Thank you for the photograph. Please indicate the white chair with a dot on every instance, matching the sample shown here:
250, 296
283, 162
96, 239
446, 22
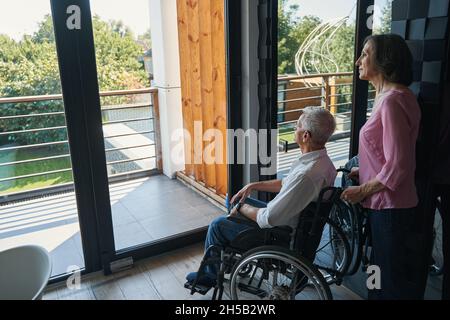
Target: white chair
24, 272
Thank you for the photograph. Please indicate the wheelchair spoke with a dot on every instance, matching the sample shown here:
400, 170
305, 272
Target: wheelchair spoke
333, 253
324, 246
255, 268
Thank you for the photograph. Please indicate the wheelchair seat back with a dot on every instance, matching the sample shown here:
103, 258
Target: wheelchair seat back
312, 221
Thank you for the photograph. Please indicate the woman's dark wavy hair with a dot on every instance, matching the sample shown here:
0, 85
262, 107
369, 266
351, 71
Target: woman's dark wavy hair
392, 58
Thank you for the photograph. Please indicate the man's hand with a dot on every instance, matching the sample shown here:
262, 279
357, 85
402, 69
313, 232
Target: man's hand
353, 195
243, 193
234, 212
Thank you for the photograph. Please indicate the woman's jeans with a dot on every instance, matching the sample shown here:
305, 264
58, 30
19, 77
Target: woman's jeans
222, 231
396, 250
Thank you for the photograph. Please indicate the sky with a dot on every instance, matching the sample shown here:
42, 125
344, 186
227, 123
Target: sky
331, 9
21, 17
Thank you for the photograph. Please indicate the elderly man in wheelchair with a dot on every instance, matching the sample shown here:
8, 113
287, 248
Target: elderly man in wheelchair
268, 249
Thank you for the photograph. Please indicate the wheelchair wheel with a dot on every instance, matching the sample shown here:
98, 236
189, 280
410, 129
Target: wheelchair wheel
347, 217
277, 274
333, 255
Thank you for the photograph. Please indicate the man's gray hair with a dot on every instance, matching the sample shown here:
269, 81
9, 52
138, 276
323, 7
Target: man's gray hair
319, 122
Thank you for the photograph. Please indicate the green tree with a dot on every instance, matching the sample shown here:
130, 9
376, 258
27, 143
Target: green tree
117, 54
342, 47
145, 40
386, 18
291, 34
29, 67
45, 31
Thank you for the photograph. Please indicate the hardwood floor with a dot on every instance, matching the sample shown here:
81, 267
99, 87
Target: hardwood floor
158, 278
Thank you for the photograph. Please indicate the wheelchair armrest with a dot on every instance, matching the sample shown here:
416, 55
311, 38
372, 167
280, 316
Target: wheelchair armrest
239, 218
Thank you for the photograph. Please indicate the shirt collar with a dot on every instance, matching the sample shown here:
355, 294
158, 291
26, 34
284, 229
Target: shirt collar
313, 155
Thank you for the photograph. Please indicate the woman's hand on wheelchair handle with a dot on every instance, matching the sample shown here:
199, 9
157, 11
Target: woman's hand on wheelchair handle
353, 195
354, 174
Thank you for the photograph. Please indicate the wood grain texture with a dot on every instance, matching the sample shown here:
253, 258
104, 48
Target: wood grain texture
207, 92
201, 32
196, 94
219, 89
185, 77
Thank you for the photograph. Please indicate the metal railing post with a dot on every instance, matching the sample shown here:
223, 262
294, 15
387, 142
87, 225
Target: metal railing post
333, 96
326, 92
157, 129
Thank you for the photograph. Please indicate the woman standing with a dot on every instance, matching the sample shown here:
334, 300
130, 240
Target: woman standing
387, 166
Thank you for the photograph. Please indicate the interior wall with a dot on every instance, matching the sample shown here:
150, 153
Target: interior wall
163, 20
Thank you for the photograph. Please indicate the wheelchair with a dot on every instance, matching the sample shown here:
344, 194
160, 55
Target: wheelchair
281, 263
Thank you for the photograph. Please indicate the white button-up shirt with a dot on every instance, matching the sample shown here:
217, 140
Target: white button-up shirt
311, 173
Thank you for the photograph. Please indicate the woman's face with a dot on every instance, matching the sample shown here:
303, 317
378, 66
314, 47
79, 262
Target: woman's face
366, 63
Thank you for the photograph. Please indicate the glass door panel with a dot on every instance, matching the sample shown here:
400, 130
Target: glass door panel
315, 66
37, 197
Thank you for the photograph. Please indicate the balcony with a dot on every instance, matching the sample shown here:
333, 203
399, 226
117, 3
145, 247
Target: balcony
39, 159
37, 199
331, 91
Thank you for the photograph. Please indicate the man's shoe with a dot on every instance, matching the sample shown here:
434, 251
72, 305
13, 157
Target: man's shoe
205, 280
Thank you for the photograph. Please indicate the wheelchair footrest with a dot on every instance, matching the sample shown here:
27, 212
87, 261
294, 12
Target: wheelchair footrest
197, 289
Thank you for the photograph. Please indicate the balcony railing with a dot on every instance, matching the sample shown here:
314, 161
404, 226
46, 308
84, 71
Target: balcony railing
40, 149
332, 91
131, 130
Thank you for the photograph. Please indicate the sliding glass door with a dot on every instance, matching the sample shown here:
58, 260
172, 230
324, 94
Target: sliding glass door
37, 196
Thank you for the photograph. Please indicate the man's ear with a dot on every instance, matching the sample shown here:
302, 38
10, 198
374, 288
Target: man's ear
305, 135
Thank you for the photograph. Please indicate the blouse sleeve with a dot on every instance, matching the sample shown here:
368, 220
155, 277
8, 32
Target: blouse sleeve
397, 144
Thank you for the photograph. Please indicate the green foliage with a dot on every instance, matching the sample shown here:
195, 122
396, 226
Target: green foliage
386, 17
145, 40
45, 32
292, 32
118, 55
342, 47
29, 67
33, 167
